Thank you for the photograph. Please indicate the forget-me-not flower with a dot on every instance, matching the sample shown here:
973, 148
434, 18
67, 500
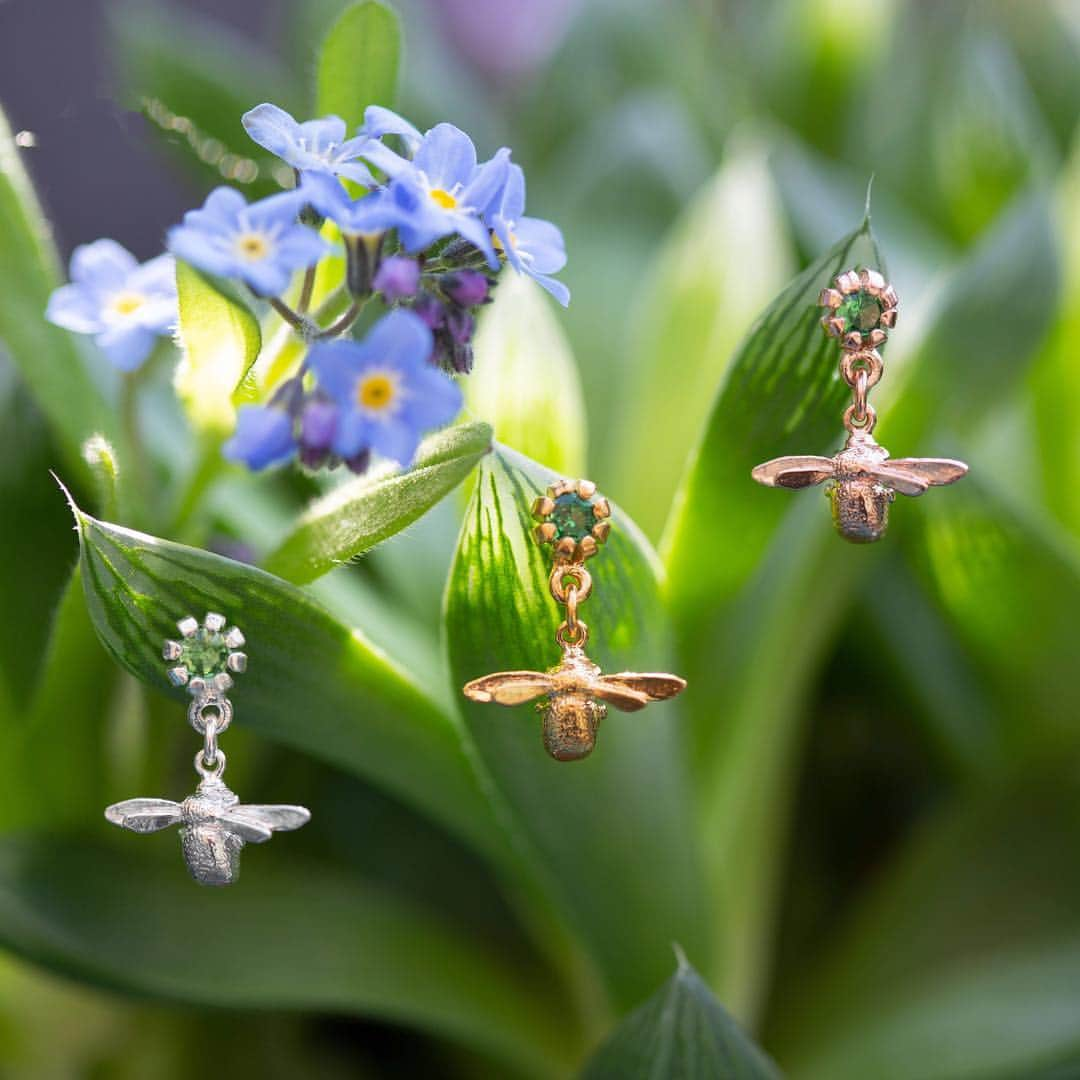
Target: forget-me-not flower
263, 437
262, 244
367, 216
124, 305
379, 121
442, 190
386, 392
532, 246
315, 145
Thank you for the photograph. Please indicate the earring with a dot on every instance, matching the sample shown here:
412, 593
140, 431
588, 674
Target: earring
214, 827
860, 310
573, 520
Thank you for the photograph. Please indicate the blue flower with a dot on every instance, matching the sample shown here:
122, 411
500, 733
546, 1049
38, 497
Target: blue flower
262, 244
379, 122
316, 145
397, 278
531, 246
125, 306
263, 437
387, 393
369, 215
442, 190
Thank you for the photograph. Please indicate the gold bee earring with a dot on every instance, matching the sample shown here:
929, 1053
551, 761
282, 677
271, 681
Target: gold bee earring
860, 311
574, 521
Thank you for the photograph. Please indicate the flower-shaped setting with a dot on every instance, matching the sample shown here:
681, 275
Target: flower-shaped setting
205, 655
573, 519
860, 310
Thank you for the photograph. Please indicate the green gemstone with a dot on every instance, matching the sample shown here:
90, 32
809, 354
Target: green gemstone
204, 653
860, 311
573, 516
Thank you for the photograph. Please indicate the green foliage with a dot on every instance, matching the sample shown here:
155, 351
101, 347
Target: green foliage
358, 65
220, 339
362, 513
860, 818
680, 1033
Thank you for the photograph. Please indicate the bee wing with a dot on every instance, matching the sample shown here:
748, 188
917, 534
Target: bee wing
144, 815
926, 471
255, 824
797, 471
509, 687
638, 687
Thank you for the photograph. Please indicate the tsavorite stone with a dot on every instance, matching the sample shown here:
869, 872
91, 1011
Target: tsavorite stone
204, 653
860, 311
573, 516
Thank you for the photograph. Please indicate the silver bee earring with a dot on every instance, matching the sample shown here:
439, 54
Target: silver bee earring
863, 480
214, 826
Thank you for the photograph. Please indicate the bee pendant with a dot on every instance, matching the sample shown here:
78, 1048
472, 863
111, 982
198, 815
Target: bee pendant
574, 692
214, 826
864, 482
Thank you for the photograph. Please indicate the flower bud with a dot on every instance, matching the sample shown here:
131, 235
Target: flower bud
460, 326
467, 287
397, 278
431, 310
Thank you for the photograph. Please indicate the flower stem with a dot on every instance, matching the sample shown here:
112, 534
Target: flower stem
335, 329
297, 322
306, 289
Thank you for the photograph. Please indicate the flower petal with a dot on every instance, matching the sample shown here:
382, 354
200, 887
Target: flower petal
556, 288
401, 339
434, 399
543, 242
487, 182
102, 266
272, 128
126, 346
379, 121
446, 157
337, 365
263, 437
352, 434
394, 439
75, 308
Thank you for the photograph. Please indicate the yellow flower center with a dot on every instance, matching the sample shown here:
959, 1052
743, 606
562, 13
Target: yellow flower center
443, 198
376, 392
127, 303
252, 246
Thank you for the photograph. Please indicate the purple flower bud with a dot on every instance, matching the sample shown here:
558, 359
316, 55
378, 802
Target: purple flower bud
313, 458
359, 463
467, 287
461, 359
318, 424
460, 326
430, 310
397, 278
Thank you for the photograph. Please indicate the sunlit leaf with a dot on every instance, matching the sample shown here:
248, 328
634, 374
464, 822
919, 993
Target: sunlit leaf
693, 308
287, 936
525, 383
313, 684
363, 512
610, 834
681, 1033
220, 340
358, 65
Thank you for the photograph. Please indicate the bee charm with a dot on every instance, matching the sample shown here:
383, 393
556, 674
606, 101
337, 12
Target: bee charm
214, 826
575, 692
863, 479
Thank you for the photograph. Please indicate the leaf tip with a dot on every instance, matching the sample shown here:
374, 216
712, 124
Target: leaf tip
867, 221
73, 506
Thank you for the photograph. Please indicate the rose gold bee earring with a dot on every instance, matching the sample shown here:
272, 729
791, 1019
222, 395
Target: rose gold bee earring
860, 311
574, 521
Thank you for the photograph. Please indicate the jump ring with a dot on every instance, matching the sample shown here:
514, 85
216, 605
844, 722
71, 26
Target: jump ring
580, 577
219, 708
206, 770
867, 360
864, 423
567, 639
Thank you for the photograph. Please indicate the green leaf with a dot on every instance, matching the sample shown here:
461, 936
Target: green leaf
969, 944
781, 394
314, 684
681, 1033
610, 837
46, 357
692, 311
358, 65
220, 340
525, 382
359, 514
288, 936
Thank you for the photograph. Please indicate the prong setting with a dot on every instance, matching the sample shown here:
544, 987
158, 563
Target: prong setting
860, 309
205, 655
187, 626
572, 518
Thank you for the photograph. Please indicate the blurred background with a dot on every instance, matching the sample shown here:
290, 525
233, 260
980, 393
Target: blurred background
696, 153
